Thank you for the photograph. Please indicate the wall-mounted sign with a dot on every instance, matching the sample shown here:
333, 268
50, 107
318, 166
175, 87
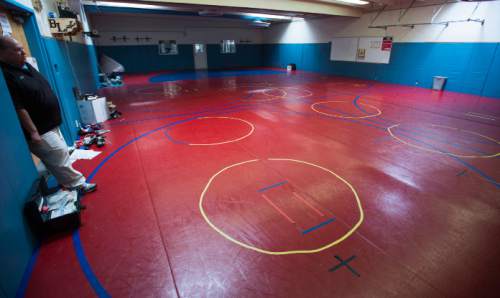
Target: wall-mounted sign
5, 25
64, 26
387, 43
361, 54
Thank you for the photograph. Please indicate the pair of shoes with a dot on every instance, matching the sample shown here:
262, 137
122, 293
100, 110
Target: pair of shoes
87, 187
101, 141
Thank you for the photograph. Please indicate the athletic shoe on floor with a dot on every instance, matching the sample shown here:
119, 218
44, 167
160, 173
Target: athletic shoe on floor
87, 187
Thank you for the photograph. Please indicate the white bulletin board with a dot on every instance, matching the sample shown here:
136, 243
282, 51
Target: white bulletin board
360, 49
344, 49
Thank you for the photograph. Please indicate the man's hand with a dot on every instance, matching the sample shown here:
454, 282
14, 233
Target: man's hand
29, 126
35, 137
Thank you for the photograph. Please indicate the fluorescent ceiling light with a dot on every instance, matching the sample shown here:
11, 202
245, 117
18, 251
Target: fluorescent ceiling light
266, 16
357, 2
125, 5
261, 23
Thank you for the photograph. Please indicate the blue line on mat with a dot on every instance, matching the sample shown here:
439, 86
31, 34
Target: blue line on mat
355, 101
165, 132
345, 263
272, 186
21, 290
99, 290
92, 279
318, 226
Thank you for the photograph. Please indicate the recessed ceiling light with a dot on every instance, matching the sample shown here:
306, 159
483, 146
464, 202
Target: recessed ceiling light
357, 2
266, 16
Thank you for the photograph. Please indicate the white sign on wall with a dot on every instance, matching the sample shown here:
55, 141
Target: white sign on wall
63, 26
5, 24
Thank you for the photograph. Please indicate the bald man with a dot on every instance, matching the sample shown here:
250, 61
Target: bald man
40, 115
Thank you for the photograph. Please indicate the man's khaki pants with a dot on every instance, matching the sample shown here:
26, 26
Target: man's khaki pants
53, 152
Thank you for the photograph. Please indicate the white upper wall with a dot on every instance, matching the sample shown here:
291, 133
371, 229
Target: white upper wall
183, 29
323, 30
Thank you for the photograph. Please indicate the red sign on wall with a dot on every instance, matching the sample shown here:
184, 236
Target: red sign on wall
387, 43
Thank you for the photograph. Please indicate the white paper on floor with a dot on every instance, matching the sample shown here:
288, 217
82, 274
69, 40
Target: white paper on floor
83, 154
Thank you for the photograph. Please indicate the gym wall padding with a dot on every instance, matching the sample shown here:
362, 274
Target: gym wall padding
247, 55
74, 66
472, 68
145, 58
18, 175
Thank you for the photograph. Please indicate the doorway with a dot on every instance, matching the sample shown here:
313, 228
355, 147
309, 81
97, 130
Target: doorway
200, 56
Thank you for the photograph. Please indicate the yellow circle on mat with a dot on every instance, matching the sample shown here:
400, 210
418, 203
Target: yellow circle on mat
379, 112
286, 252
308, 92
283, 94
389, 129
252, 128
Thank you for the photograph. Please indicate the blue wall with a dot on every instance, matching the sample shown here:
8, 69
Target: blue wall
145, 58
141, 59
247, 55
470, 67
72, 65
18, 175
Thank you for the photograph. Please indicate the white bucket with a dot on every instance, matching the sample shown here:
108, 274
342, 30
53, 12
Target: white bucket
438, 83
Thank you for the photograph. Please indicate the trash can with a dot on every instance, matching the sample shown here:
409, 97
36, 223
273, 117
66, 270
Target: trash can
438, 82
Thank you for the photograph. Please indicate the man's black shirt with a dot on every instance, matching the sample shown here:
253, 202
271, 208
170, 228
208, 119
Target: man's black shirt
31, 91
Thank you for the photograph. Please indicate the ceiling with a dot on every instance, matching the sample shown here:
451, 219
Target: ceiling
241, 8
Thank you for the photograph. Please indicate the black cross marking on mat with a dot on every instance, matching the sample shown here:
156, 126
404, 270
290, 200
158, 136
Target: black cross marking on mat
345, 263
